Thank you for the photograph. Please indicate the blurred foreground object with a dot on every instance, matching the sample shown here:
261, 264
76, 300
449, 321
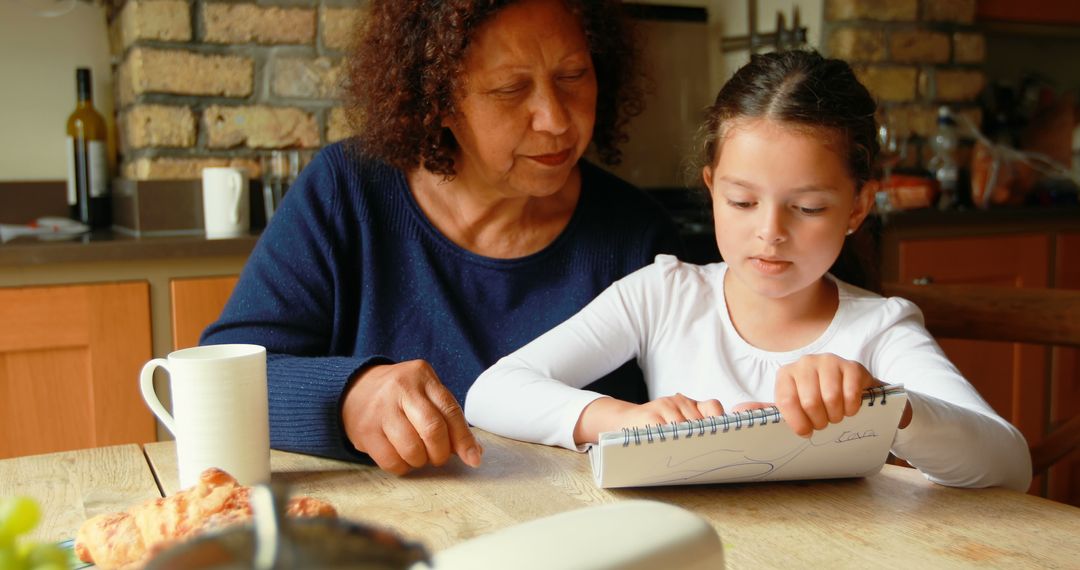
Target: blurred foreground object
18, 516
629, 535
130, 538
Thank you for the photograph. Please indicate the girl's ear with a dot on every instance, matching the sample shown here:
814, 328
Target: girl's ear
864, 202
706, 174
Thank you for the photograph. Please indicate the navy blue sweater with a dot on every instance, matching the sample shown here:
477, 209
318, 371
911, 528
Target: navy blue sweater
350, 272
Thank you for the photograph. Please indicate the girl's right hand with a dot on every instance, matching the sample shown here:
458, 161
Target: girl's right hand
609, 414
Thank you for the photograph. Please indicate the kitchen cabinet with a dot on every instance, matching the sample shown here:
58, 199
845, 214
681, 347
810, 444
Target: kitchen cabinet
1010, 377
197, 302
70, 356
1058, 12
1064, 479
1035, 388
100, 259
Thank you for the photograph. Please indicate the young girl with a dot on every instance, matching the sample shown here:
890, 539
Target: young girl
789, 148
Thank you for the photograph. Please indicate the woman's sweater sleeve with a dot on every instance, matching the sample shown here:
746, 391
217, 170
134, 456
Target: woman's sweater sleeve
534, 394
955, 438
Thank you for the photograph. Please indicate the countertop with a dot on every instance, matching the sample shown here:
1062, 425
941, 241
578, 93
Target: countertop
692, 215
109, 245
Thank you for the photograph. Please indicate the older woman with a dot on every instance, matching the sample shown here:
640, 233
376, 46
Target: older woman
459, 225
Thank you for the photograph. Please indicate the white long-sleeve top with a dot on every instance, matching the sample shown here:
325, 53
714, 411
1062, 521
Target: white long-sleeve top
671, 316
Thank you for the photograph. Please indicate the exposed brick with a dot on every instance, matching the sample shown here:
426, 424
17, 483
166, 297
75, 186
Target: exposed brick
312, 78
951, 84
918, 46
160, 20
167, 168
857, 44
260, 127
337, 125
969, 47
917, 120
962, 11
338, 26
179, 72
889, 83
248, 23
158, 126
116, 40
881, 10
123, 90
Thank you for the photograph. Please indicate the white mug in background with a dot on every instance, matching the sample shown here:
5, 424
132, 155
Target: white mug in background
220, 410
226, 210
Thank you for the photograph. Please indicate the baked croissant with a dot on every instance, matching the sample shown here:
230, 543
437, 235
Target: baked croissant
127, 540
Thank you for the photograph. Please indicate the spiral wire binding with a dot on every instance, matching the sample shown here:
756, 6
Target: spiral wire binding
726, 422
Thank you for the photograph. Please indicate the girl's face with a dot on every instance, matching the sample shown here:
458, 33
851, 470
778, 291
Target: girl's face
783, 202
528, 105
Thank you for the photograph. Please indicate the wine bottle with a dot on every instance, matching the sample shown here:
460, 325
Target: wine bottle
88, 169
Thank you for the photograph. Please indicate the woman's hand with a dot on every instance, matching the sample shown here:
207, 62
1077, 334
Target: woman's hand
403, 417
609, 414
820, 389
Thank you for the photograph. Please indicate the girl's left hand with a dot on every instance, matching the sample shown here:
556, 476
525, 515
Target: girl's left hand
819, 389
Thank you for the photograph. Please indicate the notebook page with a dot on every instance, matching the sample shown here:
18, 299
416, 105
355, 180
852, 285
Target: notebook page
855, 447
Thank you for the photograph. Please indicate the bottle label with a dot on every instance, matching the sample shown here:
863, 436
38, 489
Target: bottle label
72, 173
86, 165
99, 169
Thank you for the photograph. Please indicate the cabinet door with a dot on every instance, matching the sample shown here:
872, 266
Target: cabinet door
1065, 399
1032, 11
1012, 378
196, 303
69, 365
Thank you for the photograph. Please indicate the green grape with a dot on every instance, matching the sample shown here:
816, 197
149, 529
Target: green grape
9, 560
43, 554
18, 515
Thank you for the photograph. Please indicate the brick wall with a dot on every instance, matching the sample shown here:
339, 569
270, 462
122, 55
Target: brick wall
209, 83
913, 55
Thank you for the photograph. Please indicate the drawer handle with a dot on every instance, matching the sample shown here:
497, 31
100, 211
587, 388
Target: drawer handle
924, 280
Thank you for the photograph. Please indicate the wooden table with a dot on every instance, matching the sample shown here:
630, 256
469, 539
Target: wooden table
882, 521
891, 519
73, 486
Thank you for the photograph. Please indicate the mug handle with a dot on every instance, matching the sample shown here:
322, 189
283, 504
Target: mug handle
146, 383
236, 181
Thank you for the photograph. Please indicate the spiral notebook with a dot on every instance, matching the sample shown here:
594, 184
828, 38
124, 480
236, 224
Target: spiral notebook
749, 446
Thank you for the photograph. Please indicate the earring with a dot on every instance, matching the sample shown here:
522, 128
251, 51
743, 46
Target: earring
850, 231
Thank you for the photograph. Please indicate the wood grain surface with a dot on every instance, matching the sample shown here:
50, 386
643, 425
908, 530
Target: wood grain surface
72, 486
893, 518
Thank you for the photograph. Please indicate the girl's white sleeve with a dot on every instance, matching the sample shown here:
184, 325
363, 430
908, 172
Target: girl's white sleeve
955, 438
534, 394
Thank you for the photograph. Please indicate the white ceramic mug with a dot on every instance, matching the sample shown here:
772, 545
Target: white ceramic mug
220, 411
226, 211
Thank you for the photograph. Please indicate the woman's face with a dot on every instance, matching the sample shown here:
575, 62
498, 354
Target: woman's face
783, 202
528, 103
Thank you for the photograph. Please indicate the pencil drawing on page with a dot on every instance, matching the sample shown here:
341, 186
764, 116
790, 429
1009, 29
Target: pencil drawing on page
740, 464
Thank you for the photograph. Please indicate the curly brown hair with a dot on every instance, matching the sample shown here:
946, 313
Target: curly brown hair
408, 56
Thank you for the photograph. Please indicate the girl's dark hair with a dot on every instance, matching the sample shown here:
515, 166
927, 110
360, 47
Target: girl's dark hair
406, 64
805, 90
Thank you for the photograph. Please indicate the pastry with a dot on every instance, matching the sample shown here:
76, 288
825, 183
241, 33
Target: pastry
126, 540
